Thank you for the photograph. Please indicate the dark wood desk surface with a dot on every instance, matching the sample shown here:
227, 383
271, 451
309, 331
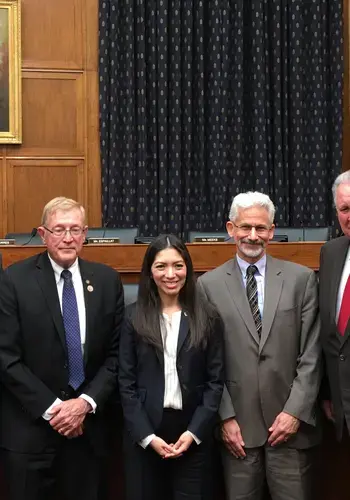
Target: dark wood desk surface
127, 259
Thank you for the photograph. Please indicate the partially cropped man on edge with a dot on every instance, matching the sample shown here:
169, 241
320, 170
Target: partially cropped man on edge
60, 318
272, 360
335, 313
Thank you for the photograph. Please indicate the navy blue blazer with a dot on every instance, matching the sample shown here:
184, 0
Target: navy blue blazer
142, 383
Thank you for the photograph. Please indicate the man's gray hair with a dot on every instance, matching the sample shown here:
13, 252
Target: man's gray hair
61, 203
343, 178
249, 200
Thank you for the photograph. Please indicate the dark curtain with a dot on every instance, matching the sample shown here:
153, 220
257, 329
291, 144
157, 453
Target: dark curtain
202, 99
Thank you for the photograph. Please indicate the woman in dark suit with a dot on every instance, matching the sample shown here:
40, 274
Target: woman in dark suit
171, 379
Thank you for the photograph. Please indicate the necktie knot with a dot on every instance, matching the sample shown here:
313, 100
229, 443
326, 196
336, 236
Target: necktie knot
67, 276
251, 270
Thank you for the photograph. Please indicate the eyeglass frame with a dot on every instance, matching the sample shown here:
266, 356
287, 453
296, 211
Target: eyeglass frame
258, 229
82, 230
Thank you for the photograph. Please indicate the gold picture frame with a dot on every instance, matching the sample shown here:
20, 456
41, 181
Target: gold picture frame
10, 72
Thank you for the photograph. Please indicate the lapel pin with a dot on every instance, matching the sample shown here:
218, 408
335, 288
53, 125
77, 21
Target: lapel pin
90, 288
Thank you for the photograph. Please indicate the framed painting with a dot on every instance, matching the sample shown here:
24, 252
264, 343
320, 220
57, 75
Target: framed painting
10, 72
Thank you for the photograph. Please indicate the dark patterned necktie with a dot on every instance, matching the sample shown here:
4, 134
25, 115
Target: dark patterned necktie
72, 329
252, 294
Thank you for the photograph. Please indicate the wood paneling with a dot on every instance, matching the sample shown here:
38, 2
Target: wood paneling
60, 150
127, 259
52, 34
93, 177
55, 103
24, 177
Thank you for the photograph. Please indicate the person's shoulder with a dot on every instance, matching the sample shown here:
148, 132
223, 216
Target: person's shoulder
129, 317
26, 265
335, 245
98, 268
130, 311
217, 273
291, 267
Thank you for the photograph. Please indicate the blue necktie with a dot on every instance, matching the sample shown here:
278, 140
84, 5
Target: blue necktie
72, 329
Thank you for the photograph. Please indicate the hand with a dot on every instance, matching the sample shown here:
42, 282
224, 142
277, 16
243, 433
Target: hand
327, 407
76, 433
181, 445
232, 437
283, 428
161, 447
69, 416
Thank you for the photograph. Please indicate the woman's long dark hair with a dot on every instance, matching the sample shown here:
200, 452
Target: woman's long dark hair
200, 313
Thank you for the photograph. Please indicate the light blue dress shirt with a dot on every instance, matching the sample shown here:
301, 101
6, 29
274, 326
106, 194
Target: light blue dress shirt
259, 276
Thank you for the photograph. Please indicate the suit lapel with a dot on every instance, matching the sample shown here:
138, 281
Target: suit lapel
183, 331
91, 297
46, 280
272, 293
234, 283
335, 274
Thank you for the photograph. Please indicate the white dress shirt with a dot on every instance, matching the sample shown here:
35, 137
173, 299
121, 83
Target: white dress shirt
259, 277
79, 293
342, 284
169, 327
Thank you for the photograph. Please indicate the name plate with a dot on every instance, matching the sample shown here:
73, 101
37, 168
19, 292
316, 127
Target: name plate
102, 241
209, 239
7, 242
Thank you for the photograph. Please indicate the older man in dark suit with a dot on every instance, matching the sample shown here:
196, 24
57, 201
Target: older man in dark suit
59, 325
335, 313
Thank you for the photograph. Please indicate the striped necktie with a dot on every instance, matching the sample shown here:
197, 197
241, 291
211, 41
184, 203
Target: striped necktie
252, 294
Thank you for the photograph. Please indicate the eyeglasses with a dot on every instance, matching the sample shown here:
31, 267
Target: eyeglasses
247, 228
60, 231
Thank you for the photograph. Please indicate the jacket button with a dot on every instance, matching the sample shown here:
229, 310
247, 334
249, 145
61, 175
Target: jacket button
342, 357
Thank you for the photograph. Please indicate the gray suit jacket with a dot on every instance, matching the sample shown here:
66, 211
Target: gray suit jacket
281, 372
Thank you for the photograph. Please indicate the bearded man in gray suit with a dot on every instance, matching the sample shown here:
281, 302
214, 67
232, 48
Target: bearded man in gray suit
270, 310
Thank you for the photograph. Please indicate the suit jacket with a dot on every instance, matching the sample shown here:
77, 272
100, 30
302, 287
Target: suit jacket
281, 372
336, 348
141, 380
33, 353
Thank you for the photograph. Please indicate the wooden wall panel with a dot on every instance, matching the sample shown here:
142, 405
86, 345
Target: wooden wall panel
60, 150
53, 114
93, 177
54, 177
52, 33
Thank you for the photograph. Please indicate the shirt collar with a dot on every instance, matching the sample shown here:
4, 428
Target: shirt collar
57, 269
348, 254
260, 264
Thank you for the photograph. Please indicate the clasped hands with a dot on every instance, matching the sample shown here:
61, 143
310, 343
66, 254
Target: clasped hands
68, 417
172, 450
283, 427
